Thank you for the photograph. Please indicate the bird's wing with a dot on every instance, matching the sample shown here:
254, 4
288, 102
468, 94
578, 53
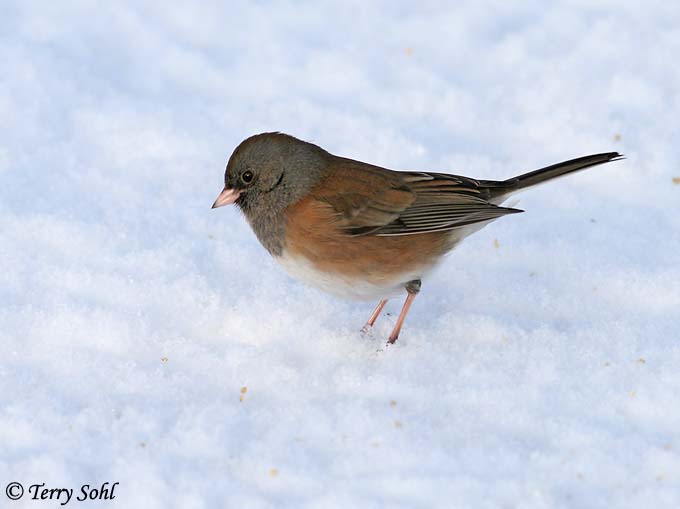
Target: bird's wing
370, 200
444, 202
362, 197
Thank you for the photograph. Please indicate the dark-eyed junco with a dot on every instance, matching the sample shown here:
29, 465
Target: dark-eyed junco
361, 231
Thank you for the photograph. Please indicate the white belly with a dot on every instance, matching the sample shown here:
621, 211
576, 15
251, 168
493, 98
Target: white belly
343, 286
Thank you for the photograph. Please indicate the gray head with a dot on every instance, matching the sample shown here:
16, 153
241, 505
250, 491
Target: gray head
271, 170
266, 173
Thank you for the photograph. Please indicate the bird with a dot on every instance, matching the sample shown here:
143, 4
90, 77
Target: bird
361, 231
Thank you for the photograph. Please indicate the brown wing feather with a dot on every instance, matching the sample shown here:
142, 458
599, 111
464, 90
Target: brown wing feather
444, 202
367, 199
363, 197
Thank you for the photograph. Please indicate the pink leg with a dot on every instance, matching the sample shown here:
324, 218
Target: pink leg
412, 287
374, 316
402, 316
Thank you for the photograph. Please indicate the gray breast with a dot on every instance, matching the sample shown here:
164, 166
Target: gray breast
270, 230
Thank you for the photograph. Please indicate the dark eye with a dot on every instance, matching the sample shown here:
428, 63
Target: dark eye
247, 177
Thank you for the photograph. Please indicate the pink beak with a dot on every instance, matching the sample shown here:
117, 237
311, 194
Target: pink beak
226, 197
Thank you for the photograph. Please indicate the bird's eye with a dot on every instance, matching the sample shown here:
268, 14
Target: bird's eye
247, 177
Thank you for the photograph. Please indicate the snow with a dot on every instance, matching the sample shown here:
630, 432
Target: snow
148, 340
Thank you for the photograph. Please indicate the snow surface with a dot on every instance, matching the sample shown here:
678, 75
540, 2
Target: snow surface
148, 340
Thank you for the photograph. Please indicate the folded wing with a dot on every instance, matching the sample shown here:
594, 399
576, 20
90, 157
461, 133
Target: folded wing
370, 200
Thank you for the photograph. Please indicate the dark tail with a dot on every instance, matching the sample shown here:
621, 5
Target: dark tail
557, 170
